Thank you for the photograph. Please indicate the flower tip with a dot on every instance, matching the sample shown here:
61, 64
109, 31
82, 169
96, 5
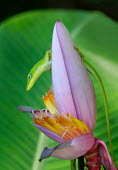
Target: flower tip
58, 20
40, 159
46, 153
19, 108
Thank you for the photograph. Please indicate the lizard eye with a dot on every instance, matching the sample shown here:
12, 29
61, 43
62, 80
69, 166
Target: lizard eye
29, 76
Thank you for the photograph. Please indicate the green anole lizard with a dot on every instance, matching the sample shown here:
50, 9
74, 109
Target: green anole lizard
40, 67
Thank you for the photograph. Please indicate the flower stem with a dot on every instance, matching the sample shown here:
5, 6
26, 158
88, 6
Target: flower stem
73, 164
97, 77
81, 163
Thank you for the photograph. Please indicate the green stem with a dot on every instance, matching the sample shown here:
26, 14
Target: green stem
81, 163
73, 164
97, 77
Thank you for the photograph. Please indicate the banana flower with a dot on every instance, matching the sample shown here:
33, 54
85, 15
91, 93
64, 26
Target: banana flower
71, 104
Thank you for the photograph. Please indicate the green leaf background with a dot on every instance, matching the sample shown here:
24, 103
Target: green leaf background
24, 38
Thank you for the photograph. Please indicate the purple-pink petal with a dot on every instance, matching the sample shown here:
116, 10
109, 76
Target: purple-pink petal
27, 109
61, 87
73, 149
50, 134
37, 112
105, 157
72, 87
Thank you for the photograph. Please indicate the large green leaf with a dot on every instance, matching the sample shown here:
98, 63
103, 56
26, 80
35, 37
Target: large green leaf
23, 41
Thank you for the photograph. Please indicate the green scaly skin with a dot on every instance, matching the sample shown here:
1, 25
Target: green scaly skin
40, 67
